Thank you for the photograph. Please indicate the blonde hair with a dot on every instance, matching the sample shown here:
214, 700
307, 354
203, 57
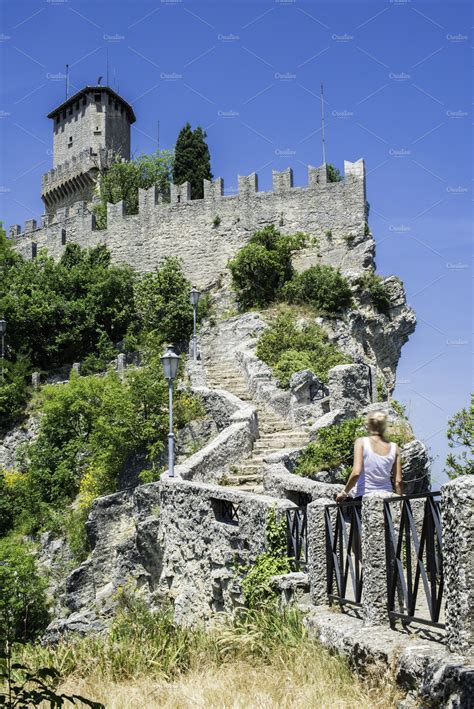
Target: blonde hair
377, 422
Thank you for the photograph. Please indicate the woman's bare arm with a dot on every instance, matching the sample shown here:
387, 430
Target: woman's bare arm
356, 470
397, 473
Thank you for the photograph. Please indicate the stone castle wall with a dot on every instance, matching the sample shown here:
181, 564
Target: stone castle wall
206, 233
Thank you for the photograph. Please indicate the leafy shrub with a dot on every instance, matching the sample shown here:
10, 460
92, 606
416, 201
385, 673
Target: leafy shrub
162, 302
288, 348
321, 286
333, 449
379, 294
263, 266
23, 606
256, 584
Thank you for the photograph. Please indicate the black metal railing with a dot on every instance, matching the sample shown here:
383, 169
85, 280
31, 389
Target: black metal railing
344, 552
414, 554
297, 536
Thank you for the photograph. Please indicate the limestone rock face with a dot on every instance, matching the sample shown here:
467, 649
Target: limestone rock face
122, 530
349, 388
375, 337
415, 467
13, 440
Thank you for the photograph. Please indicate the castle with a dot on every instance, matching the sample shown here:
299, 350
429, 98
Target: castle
92, 128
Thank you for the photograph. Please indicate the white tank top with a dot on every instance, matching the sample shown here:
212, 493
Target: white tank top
376, 470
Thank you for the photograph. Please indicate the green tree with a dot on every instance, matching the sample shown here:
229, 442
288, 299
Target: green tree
122, 180
334, 174
262, 267
461, 436
14, 391
192, 160
162, 303
23, 607
58, 312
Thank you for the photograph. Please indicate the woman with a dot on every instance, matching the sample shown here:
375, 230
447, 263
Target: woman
376, 461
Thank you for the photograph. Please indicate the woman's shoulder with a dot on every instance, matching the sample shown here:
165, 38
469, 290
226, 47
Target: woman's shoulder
360, 441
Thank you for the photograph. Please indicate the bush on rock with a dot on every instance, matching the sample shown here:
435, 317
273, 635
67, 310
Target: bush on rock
288, 348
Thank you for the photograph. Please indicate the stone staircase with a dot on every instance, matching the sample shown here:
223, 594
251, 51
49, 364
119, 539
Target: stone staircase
275, 433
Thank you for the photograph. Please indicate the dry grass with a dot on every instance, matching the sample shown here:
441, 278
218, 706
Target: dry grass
262, 659
313, 680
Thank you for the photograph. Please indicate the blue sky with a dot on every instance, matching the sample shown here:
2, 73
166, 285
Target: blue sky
397, 79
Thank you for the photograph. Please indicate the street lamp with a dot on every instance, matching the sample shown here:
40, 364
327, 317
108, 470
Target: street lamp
194, 296
3, 329
170, 362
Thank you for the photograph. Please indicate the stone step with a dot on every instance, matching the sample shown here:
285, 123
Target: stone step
244, 479
277, 441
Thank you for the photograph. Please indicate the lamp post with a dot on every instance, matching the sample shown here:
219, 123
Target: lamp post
194, 296
3, 329
170, 362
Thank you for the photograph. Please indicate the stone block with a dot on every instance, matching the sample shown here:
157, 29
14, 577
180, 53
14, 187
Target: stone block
349, 388
457, 509
282, 181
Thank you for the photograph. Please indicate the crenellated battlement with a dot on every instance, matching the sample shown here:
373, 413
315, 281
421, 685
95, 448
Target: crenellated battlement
205, 232
82, 162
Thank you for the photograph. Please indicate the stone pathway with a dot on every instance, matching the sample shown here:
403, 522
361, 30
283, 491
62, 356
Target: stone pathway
222, 372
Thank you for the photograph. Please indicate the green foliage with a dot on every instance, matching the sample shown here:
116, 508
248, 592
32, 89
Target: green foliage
23, 607
379, 294
322, 287
332, 450
89, 427
192, 160
256, 584
216, 221
399, 408
334, 174
461, 435
263, 266
162, 303
288, 347
122, 180
14, 391
58, 312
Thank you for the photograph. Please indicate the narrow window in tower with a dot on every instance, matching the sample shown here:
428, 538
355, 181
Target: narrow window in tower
63, 237
97, 97
34, 250
69, 143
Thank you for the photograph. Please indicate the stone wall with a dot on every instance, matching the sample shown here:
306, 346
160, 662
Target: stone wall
202, 548
190, 230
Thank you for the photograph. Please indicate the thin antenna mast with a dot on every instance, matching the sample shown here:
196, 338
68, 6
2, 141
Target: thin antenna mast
322, 124
67, 80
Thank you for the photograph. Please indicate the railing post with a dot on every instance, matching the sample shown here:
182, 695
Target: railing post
457, 511
317, 550
374, 561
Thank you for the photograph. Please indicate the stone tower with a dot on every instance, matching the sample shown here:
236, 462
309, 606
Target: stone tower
90, 129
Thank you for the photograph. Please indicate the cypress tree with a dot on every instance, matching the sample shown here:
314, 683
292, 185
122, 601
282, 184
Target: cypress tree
192, 160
